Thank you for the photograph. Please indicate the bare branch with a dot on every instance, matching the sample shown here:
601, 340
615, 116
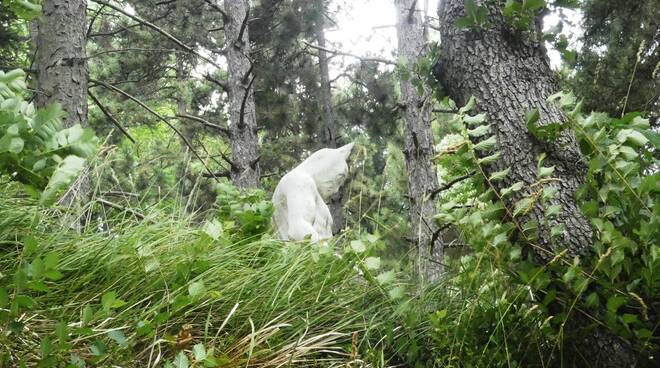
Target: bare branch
132, 49
205, 123
243, 26
241, 122
91, 22
121, 208
450, 184
342, 53
112, 119
220, 84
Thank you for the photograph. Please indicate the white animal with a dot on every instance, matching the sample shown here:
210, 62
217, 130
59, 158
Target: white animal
299, 198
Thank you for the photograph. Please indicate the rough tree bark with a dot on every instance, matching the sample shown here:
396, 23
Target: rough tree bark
509, 75
60, 59
422, 176
244, 141
329, 124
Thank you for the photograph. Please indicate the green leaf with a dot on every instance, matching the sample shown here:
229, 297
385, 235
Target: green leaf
181, 360
199, 352
87, 315
358, 246
545, 172
533, 4
499, 175
213, 229
523, 206
532, 116
196, 289
4, 297
479, 131
486, 144
472, 102
631, 136
513, 188
614, 302
372, 263
386, 277
118, 337
474, 120
489, 159
64, 174
397, 292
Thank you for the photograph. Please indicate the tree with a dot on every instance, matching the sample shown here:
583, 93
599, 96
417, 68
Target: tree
62, 66
418, 150
329, 120
615, 66
244, 141
507, 71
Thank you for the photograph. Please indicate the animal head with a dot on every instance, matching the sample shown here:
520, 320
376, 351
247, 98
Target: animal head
328, 168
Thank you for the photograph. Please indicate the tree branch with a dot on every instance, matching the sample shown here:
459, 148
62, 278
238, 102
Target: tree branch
361, 58
224, 130
241, 120
218, 9
107, 114
220, 84
159, 30
157, 115
451, 183
91, 22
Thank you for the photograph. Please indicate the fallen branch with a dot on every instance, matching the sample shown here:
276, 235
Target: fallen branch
121, 208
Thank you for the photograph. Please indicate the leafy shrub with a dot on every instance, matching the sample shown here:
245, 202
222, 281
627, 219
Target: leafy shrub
616, 285
34, 149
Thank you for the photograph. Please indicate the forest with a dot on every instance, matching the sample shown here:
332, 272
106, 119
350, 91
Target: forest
496, 202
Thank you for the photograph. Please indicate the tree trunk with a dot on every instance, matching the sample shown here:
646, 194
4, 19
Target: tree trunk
329, 126
422, 176
61, 61
509, 75
244, 140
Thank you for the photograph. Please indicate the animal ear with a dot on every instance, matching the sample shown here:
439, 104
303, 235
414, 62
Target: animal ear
346, 150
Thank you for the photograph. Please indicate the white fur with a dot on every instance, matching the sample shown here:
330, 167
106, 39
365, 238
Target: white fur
299, 198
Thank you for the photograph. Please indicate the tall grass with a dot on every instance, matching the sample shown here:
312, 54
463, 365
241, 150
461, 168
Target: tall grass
130, 296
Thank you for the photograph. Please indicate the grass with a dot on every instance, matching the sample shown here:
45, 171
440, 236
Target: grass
147, 293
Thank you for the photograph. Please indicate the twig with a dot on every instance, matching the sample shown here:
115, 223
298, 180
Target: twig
109, 115
121, 208
91, 22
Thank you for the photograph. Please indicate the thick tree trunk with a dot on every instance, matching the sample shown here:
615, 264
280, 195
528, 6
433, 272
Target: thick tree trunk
509, 75
422, 176
60, 59
329, 126
244, 140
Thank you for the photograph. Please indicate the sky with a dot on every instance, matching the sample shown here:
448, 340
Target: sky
367, 28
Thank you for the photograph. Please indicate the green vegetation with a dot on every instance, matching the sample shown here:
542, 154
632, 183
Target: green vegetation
163, 262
